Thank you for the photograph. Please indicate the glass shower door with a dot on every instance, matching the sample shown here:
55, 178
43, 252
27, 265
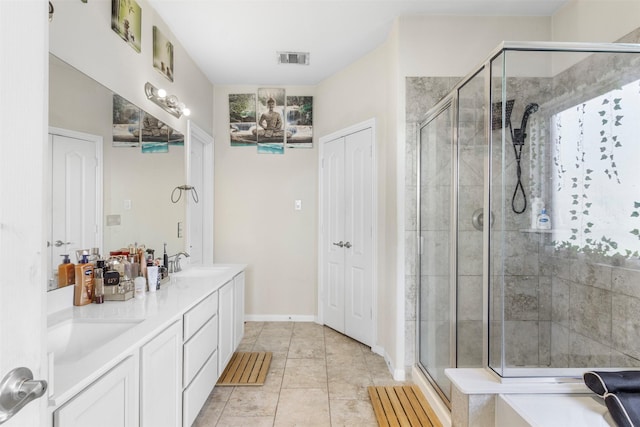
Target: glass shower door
436, 334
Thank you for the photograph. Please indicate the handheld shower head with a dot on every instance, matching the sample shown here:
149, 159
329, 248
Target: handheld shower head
519, 135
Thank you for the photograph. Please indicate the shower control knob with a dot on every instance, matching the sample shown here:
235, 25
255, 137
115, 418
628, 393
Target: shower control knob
340, 244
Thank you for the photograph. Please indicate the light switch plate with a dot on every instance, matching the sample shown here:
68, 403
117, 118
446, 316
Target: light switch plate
298, 205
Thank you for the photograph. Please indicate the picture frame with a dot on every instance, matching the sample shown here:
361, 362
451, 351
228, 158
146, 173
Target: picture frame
162, 54
299, 121
126, 21
242, 120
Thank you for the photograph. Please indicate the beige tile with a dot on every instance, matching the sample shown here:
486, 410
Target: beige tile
226, 421
317, 377
352, 413
306, 347
251, 402
309, 408
305, 373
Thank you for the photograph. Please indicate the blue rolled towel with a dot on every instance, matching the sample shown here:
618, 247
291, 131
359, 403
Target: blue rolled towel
601, 382
624, 408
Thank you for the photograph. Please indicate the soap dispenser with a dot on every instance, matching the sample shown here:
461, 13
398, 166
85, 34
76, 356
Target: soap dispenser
66, 272
544, 222
83, 291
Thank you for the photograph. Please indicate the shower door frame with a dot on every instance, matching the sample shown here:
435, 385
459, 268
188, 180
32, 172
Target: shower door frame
449, 101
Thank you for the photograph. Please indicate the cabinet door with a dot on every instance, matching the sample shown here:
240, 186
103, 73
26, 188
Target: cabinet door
238, 315
161, 379
225, 325
111, 401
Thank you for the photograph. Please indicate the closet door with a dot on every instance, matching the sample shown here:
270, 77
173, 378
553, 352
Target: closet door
358, 255
347, 234
333, 233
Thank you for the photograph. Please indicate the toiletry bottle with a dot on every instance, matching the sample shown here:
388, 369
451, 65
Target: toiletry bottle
140, 284
66, 272
165, 257
544, 222
536, 207
83, 291
98, 282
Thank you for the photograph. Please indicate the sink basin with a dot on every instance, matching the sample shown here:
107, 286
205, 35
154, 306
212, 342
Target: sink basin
73, 339
201, 271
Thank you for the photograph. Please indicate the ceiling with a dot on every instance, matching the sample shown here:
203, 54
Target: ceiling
235, 41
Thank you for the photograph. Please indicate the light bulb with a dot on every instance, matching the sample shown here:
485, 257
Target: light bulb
162, 93
186, 112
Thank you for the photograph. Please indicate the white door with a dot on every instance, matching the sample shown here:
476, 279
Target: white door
76, 195
347, 236
23, 120
200, 212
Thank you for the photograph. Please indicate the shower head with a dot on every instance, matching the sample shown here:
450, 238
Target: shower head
519, 135
496, 113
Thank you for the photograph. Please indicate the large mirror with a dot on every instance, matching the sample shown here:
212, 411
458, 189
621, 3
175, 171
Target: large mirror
135, 205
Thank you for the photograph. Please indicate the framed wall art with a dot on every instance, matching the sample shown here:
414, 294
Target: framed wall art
126, 21
270, 125
299, 118
162, 54
242, 119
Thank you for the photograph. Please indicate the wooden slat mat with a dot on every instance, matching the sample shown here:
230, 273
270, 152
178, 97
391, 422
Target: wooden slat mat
402, 406
246, 369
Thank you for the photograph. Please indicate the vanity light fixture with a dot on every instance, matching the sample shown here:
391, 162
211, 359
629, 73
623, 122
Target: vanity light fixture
170, 103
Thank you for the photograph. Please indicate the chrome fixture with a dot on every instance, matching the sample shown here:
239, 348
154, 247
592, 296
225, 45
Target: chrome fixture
176, 262
169, 103
51, 10
300, 58
342, 244
180, 189
16, 390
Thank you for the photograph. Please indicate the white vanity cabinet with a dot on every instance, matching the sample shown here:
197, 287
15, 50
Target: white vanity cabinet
231, 313
110, 401
161, 378
238, 315
200, 361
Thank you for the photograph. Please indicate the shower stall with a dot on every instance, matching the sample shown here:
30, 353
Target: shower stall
501, 284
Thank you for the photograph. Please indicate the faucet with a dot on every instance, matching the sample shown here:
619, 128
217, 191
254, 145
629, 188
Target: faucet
176, 262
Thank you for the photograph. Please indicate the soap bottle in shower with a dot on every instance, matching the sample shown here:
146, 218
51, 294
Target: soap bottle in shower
544, 222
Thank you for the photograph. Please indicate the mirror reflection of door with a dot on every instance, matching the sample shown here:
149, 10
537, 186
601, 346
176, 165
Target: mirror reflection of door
200, 214
76, 196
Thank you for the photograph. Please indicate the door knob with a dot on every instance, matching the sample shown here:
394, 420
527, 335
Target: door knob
347, 245
16, 390
339, 244
59, 243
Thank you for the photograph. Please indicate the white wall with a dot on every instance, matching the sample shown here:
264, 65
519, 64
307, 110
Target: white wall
595, 20
255, 220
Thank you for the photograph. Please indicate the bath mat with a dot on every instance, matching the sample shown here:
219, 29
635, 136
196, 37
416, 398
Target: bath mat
246, 368
402, 406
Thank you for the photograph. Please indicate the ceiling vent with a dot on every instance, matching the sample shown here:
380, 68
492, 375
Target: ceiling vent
301, 58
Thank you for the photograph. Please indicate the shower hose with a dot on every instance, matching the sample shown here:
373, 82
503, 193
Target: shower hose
517, 149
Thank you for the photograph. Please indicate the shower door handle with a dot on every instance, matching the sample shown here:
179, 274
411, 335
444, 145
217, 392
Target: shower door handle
340, 244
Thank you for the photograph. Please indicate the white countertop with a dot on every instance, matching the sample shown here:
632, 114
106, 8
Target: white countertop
155, 312
481, 381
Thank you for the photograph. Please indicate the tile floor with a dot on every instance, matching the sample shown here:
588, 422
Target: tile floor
317, 377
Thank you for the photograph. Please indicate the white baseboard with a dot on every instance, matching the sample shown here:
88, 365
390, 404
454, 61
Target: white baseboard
442, 412
279, 318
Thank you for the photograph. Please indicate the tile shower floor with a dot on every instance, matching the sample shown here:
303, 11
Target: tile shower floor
317, 377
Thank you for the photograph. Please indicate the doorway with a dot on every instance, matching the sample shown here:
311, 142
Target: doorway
76, 196
200, 201
347, 235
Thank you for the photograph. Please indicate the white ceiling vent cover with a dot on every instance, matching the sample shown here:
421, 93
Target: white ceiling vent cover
300, 58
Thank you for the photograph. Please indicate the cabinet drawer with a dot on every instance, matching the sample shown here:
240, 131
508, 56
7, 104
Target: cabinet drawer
198, 315
198, 349
194, 396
